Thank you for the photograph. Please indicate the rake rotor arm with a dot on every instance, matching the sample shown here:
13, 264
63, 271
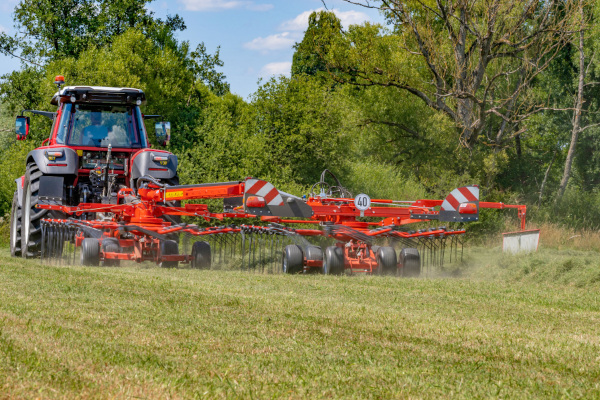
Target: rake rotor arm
522, 209
193, 192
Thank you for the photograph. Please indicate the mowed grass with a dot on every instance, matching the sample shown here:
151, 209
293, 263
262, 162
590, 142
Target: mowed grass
145, 332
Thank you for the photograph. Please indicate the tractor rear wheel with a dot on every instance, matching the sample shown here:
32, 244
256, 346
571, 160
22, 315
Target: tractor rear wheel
90, 252
111, 245
411, 263
201, 255
31, 224
169, 248
334, 261
387, 263
15, 227
293, 259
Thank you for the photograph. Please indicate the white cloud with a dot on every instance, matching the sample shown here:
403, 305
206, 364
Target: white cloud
217, 5
300, 23
278, 41
3, 29
276, 69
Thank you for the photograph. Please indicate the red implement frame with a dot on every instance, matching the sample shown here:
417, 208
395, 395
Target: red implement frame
141, 216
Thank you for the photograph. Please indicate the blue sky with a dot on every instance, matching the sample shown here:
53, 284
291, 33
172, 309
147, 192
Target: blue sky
256, 36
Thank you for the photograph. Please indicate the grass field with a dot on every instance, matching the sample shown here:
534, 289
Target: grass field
144, 332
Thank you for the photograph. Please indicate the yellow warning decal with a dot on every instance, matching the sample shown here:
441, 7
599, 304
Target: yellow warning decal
175, 193
80, 153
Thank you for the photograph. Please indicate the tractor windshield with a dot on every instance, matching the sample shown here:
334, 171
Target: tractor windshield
100, 125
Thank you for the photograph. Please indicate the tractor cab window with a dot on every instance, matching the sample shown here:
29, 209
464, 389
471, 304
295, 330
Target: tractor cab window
101, 125
63, 124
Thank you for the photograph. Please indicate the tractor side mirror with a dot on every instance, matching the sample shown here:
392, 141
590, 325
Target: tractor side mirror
22, 127
162, 130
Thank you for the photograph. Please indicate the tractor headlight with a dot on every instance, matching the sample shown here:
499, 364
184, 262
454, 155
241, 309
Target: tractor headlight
53, 154
162, 160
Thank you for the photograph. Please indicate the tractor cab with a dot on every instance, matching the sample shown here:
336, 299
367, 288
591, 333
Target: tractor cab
96, 117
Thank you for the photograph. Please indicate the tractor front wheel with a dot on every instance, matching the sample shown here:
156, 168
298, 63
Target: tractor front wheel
31, 216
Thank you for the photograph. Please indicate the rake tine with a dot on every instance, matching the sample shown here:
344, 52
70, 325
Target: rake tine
243, 242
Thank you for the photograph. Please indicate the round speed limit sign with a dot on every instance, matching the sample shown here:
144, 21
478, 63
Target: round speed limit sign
362, 202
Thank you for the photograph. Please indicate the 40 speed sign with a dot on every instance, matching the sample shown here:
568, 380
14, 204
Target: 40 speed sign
362, 202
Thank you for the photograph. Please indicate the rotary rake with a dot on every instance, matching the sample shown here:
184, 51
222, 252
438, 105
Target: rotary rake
358, 234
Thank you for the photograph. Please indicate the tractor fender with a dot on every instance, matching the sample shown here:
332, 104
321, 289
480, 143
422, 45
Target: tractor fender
20, 181
57, 166
143, 163
47, 167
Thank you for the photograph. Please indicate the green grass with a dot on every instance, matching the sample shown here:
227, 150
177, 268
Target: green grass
144, 332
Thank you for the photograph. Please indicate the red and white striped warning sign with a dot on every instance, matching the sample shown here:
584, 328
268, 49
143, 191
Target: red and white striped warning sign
264, 189
458, 196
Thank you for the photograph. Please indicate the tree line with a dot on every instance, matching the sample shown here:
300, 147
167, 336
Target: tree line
502, 93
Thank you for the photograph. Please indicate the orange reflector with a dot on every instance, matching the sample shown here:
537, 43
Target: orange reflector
59, 79
467, 208
255, 201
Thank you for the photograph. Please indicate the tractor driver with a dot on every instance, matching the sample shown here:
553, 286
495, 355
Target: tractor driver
95, 133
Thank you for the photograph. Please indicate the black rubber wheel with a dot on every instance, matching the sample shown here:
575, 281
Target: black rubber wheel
31, 228
410, 259
167, 248
314, 253
90, 252
201, 255
293, 259
334, 261
15, 227
111, 245
387, 263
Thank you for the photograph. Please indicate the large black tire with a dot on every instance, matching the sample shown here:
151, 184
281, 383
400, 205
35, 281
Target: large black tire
333, 264
387, 263
111, 245
15, 227
90, 252
167, 248
410, 259
31, 227
201, 255
293, 259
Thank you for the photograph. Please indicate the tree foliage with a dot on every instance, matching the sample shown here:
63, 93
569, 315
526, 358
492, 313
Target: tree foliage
52, 29
471, 60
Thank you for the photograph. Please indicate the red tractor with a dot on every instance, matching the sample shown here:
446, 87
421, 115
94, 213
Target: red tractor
98, 146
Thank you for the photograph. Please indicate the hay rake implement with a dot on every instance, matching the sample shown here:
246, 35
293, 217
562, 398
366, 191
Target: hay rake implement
327, 232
